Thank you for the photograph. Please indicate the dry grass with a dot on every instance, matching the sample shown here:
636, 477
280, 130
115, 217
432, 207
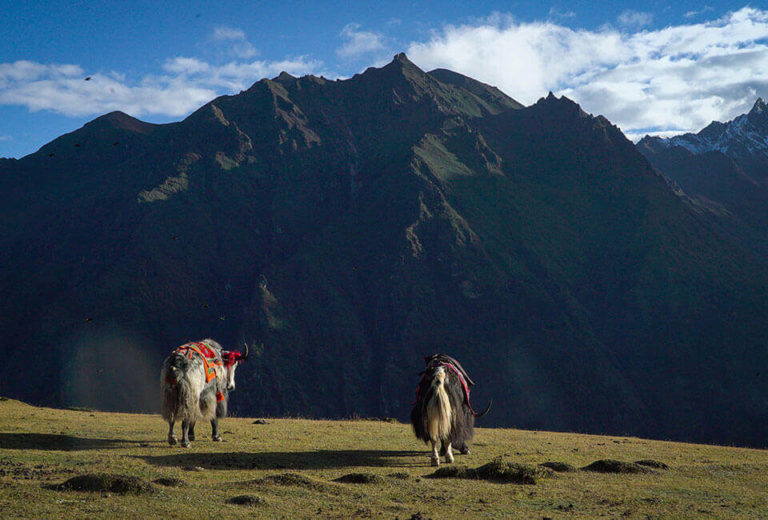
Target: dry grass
293, 468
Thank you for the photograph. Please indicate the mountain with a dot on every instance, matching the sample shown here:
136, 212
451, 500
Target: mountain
347, 228
725, 166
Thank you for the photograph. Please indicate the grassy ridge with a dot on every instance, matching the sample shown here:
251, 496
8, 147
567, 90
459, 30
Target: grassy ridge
292, 466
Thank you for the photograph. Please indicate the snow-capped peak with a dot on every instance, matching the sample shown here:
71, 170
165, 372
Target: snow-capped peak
745, 135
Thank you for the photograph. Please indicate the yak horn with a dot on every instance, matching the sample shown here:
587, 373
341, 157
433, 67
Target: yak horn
245, 355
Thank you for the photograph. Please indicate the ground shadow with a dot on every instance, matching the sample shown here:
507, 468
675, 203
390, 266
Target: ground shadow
50, 441
321, 459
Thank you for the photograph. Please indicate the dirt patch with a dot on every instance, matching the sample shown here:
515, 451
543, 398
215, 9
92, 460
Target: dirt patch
120, 484
559, 467
359, 478
496, 471
616, 466
247, 500
170, 482
650, 463
289, 479
20, 471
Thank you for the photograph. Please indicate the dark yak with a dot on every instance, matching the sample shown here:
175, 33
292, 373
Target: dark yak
442, 412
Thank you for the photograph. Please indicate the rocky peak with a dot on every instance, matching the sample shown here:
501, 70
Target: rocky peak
758, 116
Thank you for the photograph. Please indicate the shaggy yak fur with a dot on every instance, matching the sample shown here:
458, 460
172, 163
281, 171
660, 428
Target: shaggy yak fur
442, 413
197, 389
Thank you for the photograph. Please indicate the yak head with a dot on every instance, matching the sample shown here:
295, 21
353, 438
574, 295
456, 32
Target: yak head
231, 359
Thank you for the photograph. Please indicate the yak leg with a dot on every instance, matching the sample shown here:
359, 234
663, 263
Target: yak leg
215, 430
191, 431
448, 453
185, 434
435, 457
172, 440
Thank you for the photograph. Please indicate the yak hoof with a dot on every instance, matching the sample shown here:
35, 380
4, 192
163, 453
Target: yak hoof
172, 440
185, 444
218, 438
435, 462
191, 436
449, 459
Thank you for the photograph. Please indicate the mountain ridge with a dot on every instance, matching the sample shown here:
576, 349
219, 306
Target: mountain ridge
351, 227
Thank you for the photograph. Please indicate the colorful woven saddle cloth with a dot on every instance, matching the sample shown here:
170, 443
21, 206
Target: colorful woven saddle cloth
210, 359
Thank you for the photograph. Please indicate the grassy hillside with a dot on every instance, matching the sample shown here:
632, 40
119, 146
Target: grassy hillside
289, 469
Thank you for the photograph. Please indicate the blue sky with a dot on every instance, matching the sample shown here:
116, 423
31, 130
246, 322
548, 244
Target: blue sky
648, 66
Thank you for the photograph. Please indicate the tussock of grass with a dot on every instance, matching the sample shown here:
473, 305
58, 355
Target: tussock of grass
616, 466
495, 471
103, 482
290, 479
559, 467
247, 500
655, 464
359, 478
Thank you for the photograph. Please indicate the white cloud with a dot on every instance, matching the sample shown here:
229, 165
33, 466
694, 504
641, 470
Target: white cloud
234, 41
556, 12
631, 18
359, 43
228, 33
697, 12
29, 71
182, 65
187, 83
678, 78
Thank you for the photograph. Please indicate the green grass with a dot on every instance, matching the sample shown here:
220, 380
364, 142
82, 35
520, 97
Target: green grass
294, 468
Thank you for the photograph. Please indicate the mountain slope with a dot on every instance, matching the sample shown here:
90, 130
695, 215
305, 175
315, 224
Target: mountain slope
350, 227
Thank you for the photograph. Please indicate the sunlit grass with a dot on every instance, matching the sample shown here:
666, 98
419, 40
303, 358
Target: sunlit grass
292, 466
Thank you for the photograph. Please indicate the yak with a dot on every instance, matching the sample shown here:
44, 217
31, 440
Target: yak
196, 379
442, 413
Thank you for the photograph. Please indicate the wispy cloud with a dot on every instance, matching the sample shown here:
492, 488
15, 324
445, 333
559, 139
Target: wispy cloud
228, 33
635, 19
235, 41
556, 12
697, 12
360, 43
678, 78
185, 84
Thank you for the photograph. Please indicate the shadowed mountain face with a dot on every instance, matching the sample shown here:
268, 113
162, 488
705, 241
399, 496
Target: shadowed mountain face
352, 227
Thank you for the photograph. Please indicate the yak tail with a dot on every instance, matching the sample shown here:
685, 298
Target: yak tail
178, 398
439, 414
487, 408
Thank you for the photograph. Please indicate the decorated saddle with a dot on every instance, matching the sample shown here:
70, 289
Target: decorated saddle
210, 359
